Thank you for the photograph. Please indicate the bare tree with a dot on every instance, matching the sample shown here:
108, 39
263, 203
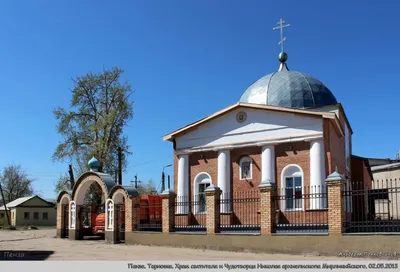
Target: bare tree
15, 183
147, 188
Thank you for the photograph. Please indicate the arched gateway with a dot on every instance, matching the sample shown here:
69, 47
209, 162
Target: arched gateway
118, 206
63, 200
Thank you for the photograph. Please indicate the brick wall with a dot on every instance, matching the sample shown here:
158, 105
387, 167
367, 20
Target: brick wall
254, 153
300, 155
288, 153
336, 150
302, 217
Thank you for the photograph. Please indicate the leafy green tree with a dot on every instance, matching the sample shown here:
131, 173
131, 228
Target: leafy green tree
100, 109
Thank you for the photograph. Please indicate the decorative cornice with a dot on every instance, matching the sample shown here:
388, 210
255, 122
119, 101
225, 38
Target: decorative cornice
222, 148
241, 145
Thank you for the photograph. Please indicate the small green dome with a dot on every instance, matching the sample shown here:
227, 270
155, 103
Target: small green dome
94, 164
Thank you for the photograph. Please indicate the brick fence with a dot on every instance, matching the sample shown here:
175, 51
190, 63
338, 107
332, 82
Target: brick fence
332, 215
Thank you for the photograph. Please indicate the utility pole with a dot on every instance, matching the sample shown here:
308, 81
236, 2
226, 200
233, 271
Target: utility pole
162, 182
119, 165
169, 184
5, 206
71, 177
163, 178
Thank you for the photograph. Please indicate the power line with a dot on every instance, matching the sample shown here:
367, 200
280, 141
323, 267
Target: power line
146, 162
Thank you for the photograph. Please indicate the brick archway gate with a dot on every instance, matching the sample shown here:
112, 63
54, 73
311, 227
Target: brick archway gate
121, 216
63, 200
78, 196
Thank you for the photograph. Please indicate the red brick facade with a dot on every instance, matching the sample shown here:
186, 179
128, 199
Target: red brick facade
297, 153
288, 153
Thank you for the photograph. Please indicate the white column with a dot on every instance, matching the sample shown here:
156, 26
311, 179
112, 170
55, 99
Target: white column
317, 174
224, 178
183, 184
268, 164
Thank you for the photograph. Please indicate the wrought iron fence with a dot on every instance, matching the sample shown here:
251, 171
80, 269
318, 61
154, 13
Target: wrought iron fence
372, 207
301, 209
150, 211
190, 215
240, 212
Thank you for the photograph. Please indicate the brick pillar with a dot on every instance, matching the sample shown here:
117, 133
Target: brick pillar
335, 183
59, 222
168, 211
132, 213
128, 214
110, 235
267, 207
213, 194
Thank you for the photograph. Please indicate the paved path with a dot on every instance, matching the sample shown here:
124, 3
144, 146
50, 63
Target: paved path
64, 249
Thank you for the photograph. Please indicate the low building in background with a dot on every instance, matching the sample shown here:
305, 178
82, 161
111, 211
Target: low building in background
386, 187
32, 210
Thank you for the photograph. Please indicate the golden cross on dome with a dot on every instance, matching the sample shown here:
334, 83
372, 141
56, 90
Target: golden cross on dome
281, 26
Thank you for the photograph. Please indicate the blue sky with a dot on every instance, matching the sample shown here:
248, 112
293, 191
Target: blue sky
185, 60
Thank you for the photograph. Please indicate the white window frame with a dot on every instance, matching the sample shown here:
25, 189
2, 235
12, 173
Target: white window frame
197, 182
246, 159
288, 172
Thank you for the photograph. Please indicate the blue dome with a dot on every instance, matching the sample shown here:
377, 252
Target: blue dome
94, 163
289, 89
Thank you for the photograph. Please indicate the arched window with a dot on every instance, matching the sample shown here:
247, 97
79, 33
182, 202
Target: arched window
245, 168
292, 179
201, 182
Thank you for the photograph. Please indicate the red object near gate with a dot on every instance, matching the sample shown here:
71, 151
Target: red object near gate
150, 212
98, 219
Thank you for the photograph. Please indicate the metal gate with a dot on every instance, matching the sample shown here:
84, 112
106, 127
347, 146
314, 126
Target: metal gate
120, 220
64, 227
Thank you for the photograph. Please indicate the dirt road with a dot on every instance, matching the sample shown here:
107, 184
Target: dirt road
63, 249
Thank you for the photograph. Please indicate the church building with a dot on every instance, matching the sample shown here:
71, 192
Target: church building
286, 129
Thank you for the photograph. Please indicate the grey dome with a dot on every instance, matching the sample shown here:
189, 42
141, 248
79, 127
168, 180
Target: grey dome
289, 89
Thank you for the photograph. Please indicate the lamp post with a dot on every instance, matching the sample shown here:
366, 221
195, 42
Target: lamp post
163, 178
